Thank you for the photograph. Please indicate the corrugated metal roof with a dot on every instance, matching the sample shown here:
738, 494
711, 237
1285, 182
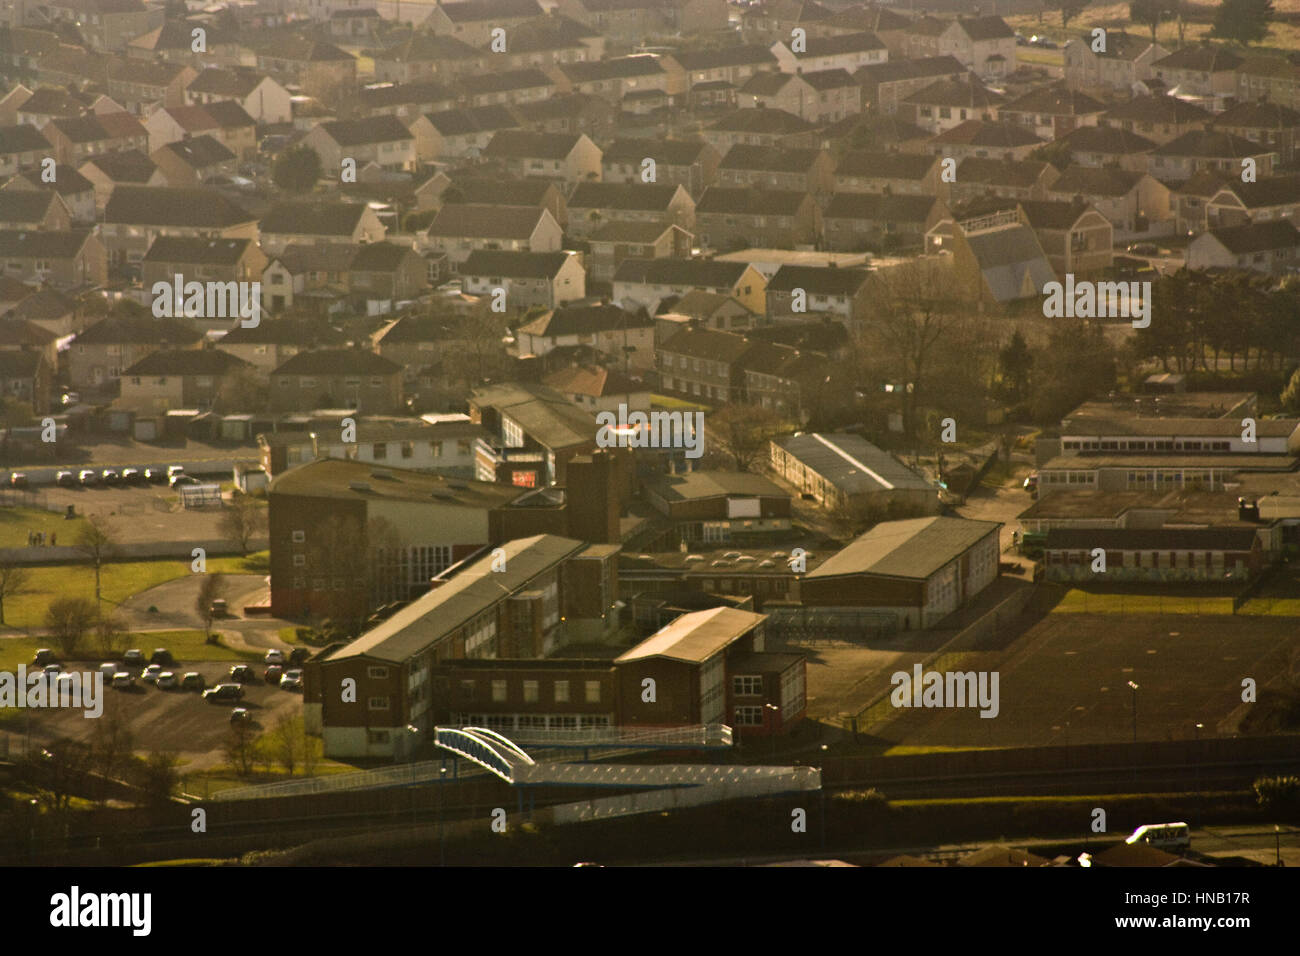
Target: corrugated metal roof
916, 548
695, 637
852, 464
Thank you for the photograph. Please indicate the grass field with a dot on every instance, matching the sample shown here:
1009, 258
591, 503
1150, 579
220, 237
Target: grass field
1114, 16
184, 645
16, 523
1077, 601
119, 581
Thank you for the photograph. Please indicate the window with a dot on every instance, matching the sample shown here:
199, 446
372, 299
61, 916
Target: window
498, 692
748, 717
377, 673
561, 691
530, 692
377, 736
378, 703
299, 537
300, 560
468, 689
750, 686
593, 692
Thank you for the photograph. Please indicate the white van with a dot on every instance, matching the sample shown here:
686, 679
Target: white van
1163, 836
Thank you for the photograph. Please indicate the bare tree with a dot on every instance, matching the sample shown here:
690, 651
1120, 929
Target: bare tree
96, 541
286, 742
112, 744
110, 635
241, 521
742, 432
210, 589
15, 580
240, 748
68, 619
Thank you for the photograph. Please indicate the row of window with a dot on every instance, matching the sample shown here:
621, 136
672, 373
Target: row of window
509, 722
1134, 444
350, 382
531, 691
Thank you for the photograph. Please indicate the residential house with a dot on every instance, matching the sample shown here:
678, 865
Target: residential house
879, 171
141, 86
945, 104
191, 162
572, 158
27, 376
1077, 239
1210, 151
381, 140
184, 378
262, 98
21, 147
766, 167
508, 87
704, 364
459, 229
985, 140
632, 21
1157, 118
1237, 203
66, 260
647, 282
690, 164
623, 336
708, 310
985, 45
129, 167
573, 113
885, 223
615, 241
348, 223
530, 279
105, 25
759, 128
224, 120
318, 68
423, 56
386, 273
847, 51
29, 209
1099, 146
137, 215
273, 341
1012, 179
1135, 203
733, 217
1274, 79
75, 139
825, 290
337, 378
1052, 111
591, 205
1205, 71
406, 101
1271, 125
473, 21
542, 193
203, 260
1191, 201
458, 134
824, 96
615, 79
101, 351
550, 39
731, 65
886, 85
76, 191
1124, 60
998, 259
1269, 247
597, 388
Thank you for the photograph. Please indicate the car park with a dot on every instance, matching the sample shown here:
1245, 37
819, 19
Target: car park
241, 673
193, 680
87, 477
18, 480
224, 692
151, 673
291, 680
167, 681
123, 681
273, 674
66, 479
134, 657
273, 656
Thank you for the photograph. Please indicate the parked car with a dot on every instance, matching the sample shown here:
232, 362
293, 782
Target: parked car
18, 480
52, 668
299, 655
1163, 836
224, 692
123, 681
161, 655
108, 669
167, 681
132, 476
134, 656
87, 477
151, 673
291, 680
66, 479
175, 481
273, 674
219, 608
242, 674
44, 656
273, 656
240, 715
193, 680
109, 476
155, 475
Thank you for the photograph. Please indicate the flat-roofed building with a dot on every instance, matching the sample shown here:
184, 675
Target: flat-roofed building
718, 505
1154, 554
847, 471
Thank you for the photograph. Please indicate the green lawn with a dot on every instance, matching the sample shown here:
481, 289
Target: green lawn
119, 581
16, 523
1092, 602
672, 404
184, 645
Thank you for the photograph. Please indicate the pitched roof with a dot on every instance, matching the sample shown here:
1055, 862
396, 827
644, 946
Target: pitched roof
505, 81
630, 231
337, 362
1022, 173
1157, 109
702, 273
748, 201
985, 28
628, 196
885, 208
195, 250
123, 165
520, 144
380, 257
1258, 114
1096, 181
370, 129
1119, 45
222, 81
187, 362
1258, 236
200, 152
500, 192
1203, 59
67, 181
1107, 140
749, 55
665, 152
1274, 191
301, 332
24, 205
139, 330
585, 320
880, 164
761, 121
313, 218
851, 463
993, 135
476, 11
45, 244
820, 280
1056, 100
919, 68
173, 206
522, 265
486, 222
400, 94
588, 71
913, 549
22, 138
770, 158
696, 636
838, 45
1211, 144
967, 93
1010, 258
707, 343
590, 380
477, 119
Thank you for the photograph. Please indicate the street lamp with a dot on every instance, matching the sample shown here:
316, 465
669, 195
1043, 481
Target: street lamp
775, 712
1135, 710
442, 842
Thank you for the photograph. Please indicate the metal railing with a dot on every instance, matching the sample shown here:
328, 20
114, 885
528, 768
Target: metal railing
398, 776
697, 735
